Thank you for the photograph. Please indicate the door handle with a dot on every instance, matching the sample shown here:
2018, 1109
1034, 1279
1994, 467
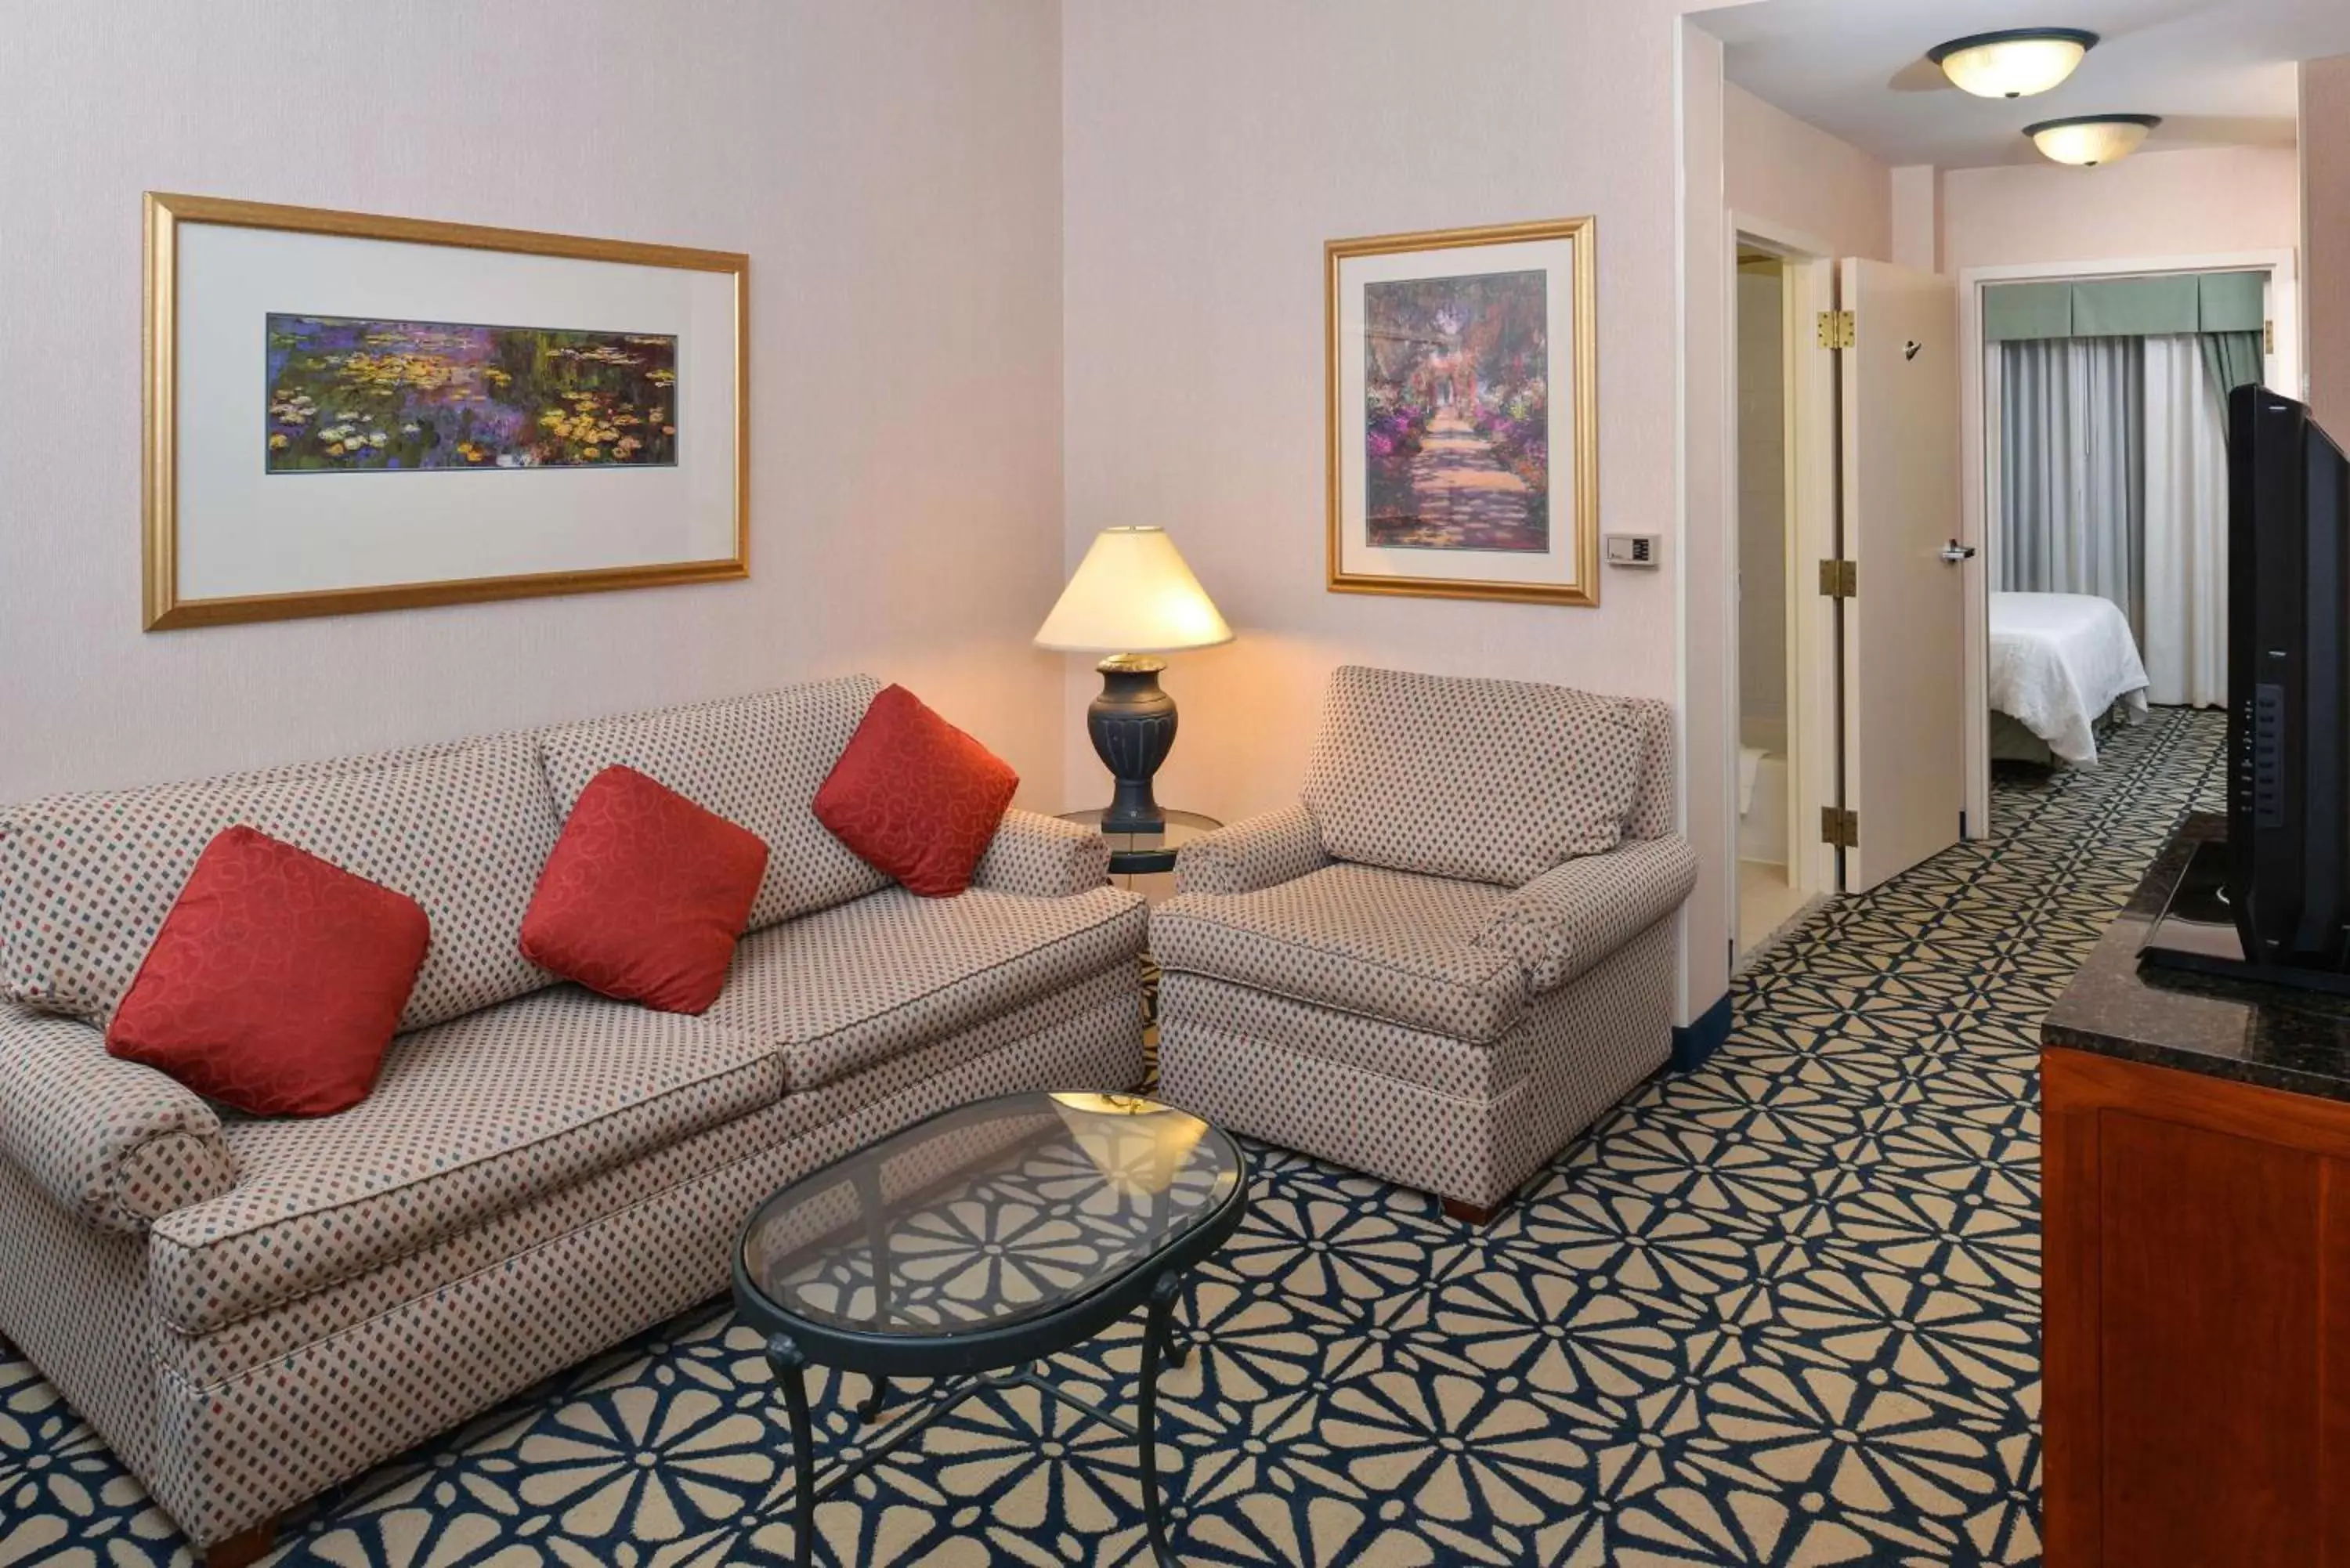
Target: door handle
1955, 552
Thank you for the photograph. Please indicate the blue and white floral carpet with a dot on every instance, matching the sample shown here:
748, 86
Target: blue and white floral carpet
1780, 1311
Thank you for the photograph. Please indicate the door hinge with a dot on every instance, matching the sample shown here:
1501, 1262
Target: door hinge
1839, 579
2268, 336
1835, 329
1839, 827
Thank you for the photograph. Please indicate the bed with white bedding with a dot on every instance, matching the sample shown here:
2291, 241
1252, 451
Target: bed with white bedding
2059, 662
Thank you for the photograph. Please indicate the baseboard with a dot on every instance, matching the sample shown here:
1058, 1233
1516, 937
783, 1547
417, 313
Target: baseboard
1693, 1043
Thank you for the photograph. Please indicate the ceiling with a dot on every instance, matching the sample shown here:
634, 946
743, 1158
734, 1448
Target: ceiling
2221, 72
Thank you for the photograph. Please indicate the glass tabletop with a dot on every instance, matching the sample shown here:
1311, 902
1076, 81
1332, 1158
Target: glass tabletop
990, 1215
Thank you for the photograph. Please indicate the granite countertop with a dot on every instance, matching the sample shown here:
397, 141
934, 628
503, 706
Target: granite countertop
2281, 1038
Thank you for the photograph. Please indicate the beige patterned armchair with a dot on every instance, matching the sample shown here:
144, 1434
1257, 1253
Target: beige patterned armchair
1454, 954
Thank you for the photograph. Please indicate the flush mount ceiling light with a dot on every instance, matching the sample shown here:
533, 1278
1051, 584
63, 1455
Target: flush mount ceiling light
2089, 140
2016, 63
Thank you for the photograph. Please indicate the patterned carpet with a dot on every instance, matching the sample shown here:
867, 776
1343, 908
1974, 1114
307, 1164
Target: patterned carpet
1782, 1310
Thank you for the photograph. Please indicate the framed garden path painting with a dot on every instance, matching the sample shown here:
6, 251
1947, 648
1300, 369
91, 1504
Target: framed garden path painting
1465, 413
347, 413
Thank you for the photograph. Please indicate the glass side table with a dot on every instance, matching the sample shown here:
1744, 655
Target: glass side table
1141, 853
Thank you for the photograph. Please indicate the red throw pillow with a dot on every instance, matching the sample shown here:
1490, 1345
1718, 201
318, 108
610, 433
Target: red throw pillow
915, 796
276, 981
645, 895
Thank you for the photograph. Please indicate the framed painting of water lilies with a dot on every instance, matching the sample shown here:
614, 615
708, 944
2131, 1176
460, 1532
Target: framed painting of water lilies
346, 412
1464, 414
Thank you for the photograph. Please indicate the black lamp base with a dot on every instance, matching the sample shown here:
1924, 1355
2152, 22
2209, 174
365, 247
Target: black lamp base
1132, 723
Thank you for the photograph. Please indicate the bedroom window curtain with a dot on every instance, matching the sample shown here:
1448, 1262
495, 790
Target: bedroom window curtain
2232, 359
2073, 470
2186, 514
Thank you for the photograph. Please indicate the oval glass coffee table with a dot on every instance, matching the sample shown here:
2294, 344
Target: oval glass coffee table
983, 1239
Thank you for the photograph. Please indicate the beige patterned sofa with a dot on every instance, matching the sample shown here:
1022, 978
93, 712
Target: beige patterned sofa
1454, 954
251, 1310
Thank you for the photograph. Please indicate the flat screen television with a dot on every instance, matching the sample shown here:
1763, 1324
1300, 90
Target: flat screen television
2272, 901
2288, 874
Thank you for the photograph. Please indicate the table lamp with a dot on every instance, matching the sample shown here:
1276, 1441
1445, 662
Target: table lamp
1133, 597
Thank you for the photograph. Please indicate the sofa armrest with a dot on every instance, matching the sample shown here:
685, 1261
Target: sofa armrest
1041, 856
111, 1142
1576, 914
1254, 854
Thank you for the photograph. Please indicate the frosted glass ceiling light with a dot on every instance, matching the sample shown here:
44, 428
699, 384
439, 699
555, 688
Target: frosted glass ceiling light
2089, 140
2014, 64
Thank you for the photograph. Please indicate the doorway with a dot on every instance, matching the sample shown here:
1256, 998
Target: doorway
1769, 892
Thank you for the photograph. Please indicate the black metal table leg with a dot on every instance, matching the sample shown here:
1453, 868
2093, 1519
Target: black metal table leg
791, 1370
1155, 1336
1187, 1315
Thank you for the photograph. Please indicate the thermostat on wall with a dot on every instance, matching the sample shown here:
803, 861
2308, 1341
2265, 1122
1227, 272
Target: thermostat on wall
1634, 550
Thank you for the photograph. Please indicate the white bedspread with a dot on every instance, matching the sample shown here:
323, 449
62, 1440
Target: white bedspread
2058, 661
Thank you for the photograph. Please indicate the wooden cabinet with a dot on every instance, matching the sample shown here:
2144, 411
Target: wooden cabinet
2197, 1315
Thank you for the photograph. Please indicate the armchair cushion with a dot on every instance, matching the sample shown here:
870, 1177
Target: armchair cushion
1495, 780
112, 1143
1571, 917
1040, 856
1253, 853
1360, 939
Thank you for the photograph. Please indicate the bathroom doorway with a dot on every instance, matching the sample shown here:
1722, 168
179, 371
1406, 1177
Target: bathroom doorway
1776, 883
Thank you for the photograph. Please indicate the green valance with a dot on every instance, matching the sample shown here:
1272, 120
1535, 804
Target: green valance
2125, 306
2233, 301
2013, 310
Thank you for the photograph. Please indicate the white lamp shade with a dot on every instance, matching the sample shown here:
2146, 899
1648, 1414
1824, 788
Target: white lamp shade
2087, 142
1132, 594
2012, 65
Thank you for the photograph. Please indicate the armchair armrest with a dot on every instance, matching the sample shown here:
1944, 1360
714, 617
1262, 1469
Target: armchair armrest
1576, 914
1254, 853
111, 1142
1041, 856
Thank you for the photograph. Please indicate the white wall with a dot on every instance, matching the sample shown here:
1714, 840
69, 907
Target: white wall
1801, 178
1210, 149
1918, 217
893, 169
2325, 261
2193, 202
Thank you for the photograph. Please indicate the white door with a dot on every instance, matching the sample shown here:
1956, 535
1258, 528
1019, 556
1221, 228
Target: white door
1904, 632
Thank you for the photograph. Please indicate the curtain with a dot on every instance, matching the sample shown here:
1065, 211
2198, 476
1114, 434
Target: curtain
2186, 511
2073, 470
2230, 359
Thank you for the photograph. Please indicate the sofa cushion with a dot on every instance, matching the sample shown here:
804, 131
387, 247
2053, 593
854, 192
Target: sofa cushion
915, 796
469, 1120
839, 991
86, 881
1360, 939
755, 760
278, 981
645, 895
1497, 780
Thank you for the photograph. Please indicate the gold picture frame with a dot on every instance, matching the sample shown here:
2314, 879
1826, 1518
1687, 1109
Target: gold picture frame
1392, 551
166, 606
